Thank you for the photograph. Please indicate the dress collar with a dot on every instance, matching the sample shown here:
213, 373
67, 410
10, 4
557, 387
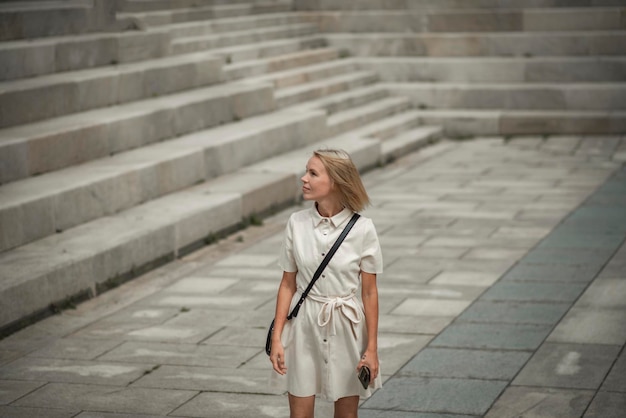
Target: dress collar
335, 221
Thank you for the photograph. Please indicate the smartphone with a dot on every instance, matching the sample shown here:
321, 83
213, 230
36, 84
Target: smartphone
364, 376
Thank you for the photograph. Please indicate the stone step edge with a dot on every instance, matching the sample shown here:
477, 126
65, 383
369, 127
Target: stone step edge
153, 105
79, 89
229, 51
220, 206
463, 123
101, 127
296, 95
341, 6
292, 60
77, 195
217, 11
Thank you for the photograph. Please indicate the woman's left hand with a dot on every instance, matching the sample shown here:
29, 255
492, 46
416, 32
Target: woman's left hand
369, 359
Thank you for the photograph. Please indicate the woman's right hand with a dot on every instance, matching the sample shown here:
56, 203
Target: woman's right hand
277, 357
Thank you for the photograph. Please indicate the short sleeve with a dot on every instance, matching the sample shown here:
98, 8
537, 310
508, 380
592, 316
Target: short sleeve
286, 259
372, 257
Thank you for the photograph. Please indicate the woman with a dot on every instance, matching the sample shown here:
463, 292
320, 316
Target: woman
320, 351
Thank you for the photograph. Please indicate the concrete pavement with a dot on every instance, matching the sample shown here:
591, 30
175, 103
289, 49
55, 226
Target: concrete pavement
504, 295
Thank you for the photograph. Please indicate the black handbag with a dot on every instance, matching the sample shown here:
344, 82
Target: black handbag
318, 272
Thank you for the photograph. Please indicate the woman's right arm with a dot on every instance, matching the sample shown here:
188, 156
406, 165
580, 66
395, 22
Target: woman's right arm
286, 291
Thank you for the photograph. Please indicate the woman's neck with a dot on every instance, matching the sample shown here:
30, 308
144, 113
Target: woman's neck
328, 209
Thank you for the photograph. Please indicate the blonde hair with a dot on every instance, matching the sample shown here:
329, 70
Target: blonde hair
345, 177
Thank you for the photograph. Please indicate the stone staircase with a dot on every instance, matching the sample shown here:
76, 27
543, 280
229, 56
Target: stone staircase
120, 151
491, 67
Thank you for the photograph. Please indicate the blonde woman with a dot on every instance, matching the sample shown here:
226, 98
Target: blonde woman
320, 351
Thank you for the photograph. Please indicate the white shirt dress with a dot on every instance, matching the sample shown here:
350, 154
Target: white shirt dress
325, 342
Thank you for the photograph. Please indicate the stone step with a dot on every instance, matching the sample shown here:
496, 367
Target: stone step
470, 122
497, 69
410, 141
524, 96
150, 5
36, 57
470, 20
313, 90
207, 42
24, 20
92, 257
390, 127
446, 4
521, 44
258, 67
34, 208
166, 17
354, 118
346, 100
298, 76
61, 94
267, 49
54, 144
228, 25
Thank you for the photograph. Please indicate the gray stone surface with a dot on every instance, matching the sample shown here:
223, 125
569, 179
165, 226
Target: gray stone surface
10, 390
241, 406
575, 366
616, 380
43, 412
540, 292
460, 396
492, 336
514, 312
525, 271
541, 402
468, 364
110, 398
607, 405
591, 326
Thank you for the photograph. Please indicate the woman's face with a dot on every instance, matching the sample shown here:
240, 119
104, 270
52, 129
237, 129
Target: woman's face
316, 184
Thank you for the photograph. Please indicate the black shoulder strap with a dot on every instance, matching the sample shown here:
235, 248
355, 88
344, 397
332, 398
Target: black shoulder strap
323, 264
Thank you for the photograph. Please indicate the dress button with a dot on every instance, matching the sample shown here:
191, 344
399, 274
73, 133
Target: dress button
323, 254
323, 275
325, 340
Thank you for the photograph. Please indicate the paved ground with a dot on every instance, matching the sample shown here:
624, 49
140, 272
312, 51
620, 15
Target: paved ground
504, 295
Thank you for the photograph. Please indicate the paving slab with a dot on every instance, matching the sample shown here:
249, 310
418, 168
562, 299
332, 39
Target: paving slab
574, 366
604, 294
469, 364
394, 350
514, 312
616, 380
540, 402
591, 326
607, 405
431, 307
109, 398
525, 271
492, 336
180, 354
233, 405
208, 379
10, 390
464, 278
74, 371
75, 349
410, 324
375, 413
535, 292
43, 412
461, 396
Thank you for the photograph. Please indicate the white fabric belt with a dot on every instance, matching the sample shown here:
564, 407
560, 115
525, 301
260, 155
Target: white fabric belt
346, 304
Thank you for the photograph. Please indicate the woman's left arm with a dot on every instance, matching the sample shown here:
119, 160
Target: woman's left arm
369, 294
